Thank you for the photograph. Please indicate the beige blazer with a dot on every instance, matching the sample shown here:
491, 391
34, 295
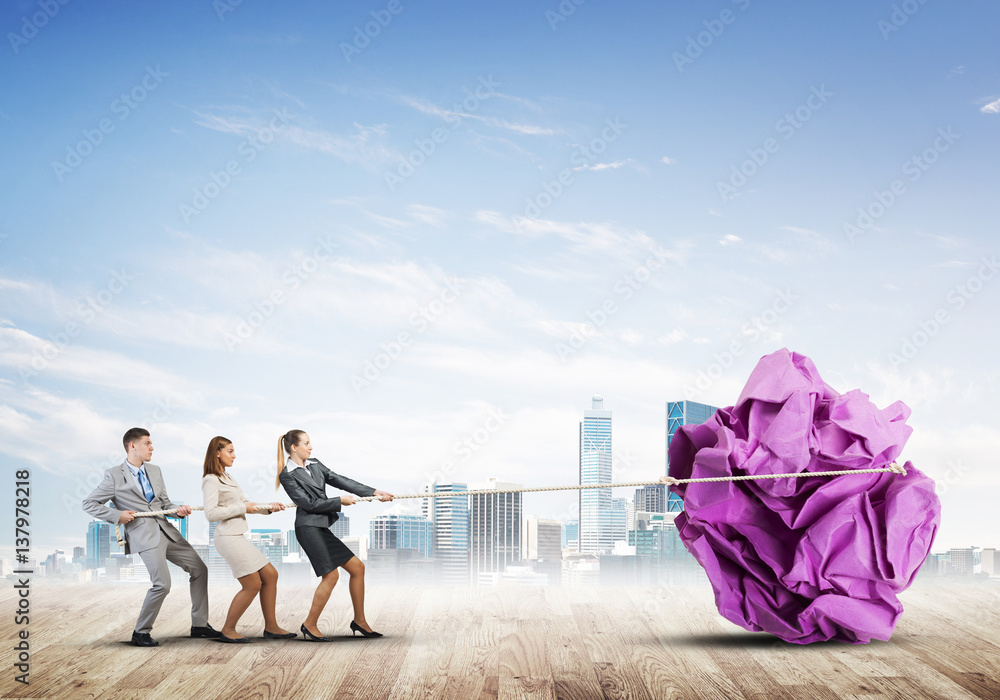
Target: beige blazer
225, 504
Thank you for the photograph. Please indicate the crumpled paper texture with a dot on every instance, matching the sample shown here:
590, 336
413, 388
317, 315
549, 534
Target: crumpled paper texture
815, 558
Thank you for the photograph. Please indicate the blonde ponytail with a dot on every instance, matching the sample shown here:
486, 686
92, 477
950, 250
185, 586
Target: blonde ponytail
285, 443
281, 463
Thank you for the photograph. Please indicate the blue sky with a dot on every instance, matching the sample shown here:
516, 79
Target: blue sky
215, 220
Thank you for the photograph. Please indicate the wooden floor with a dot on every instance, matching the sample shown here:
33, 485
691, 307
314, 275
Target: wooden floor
508, 642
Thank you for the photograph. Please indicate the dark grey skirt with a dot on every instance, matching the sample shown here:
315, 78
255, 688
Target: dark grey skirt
325, 551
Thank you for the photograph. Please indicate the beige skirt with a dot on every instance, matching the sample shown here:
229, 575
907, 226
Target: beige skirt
243, 558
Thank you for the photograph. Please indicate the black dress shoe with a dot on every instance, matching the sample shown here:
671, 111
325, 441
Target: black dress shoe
312, 637
232, 640
355, 627
272, 635
205, 632
142, 639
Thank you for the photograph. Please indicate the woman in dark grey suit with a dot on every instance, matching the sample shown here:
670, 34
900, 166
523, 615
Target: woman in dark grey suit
305, 482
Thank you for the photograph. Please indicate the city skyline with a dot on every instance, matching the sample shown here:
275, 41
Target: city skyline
430, 243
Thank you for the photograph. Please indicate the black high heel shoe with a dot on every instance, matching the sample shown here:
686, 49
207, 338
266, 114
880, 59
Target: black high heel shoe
273, 635
312, 637
355, 628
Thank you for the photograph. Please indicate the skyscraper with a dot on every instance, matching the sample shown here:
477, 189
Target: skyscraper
682, 413
100, 543
619, 520
181, 524
595, 468
571, 534
495, 532
342, 528
394, 531
450, 519
540, 539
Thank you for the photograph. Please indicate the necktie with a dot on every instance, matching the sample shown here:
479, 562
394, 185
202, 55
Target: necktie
147, 490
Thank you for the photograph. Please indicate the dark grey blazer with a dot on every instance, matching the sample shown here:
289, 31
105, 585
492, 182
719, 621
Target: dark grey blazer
307, 489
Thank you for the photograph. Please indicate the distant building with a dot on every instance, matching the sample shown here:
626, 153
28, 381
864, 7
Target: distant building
270, 544
292, 543
540, 539
181, 524
596, 535
682, 413
400, 531
651, 499
342, 528
966, 560
101, 543
620, 509
571, 534
450, 519
358, 546
991, 561
495, 530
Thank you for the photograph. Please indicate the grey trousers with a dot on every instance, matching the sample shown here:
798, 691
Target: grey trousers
183, 555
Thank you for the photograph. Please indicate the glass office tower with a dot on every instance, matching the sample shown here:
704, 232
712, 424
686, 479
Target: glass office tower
595, 468
495, 529
401, 532
682, 413
450, 519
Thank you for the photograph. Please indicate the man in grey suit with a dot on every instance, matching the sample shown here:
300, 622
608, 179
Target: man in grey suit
136, 485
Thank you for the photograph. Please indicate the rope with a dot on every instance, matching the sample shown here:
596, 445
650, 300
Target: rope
668, 480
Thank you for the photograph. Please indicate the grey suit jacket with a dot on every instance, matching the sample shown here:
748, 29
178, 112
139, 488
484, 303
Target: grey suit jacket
307, 489
119, 488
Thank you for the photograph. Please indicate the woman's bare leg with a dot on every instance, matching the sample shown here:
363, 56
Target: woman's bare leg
322, 594
241, 601
356, 568
268, 599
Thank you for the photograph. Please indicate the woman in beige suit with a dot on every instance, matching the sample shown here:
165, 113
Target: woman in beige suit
226, 504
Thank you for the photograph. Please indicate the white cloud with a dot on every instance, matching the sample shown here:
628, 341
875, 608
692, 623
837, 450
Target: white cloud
991, 108
364, 146
613, 165
730, 239
667, 160
432, 216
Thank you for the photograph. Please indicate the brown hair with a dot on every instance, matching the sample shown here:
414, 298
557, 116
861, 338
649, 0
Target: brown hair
285, 442
212, 463
133, 435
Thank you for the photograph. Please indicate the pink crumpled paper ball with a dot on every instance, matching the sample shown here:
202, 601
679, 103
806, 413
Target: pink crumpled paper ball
806, 559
